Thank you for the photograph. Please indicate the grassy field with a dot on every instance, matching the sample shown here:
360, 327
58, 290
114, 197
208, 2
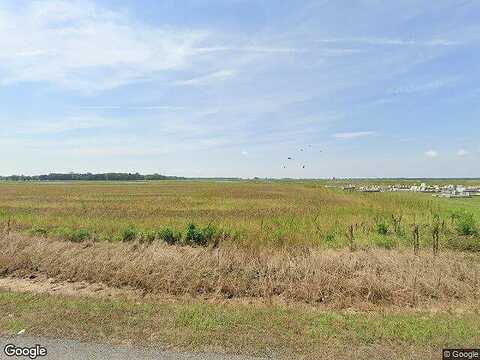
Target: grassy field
251, 213
281, 267
265, 330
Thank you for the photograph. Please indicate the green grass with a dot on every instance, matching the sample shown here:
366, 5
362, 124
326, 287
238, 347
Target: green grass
233, 327
266, 213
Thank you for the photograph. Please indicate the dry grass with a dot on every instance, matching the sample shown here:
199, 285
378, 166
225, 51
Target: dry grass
336, 278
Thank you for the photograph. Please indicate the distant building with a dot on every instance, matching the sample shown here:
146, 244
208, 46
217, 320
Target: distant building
452, 191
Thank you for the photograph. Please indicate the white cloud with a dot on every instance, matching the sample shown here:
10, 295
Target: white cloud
431, 154
208, 79
463, 152
253, 49
82, 46
425, 87
387, 41
119, 107
353, 135
76, 44
244, 152
49, 127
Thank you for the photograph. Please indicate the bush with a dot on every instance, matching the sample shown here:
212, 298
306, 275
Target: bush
210, 233
39, 231
69, 234
385, 242
147, 237
128, 234
169, 236
465, 224
329, 237
469, 243
382, 228
79, 235
195, 237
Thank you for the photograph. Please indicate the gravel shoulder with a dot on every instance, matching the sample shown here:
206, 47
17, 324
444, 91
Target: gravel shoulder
72, 350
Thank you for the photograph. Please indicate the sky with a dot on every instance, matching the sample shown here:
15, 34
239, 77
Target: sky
357, 88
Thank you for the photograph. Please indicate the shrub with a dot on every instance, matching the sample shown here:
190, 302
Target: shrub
169, 236
382, 228
385, 242
194, 237
329, 237
128, 234
39, 231
147, 237
278, 236
465, 224
210, 233
79, 235
468, 243
397, 224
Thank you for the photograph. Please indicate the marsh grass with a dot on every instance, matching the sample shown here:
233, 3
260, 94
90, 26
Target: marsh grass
261, 214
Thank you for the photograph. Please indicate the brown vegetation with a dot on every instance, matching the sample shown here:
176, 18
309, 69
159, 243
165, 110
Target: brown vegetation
337, 278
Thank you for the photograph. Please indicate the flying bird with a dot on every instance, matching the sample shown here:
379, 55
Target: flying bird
289, 158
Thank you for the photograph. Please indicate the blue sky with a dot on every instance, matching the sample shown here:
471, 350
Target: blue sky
366, 88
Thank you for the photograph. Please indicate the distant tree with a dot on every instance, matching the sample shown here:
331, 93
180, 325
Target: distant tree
90, 177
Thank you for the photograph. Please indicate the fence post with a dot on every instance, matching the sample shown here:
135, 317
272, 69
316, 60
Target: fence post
416, 239
351, 238
435, 238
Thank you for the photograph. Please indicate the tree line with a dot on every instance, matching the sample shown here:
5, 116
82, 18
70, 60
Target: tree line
90, 177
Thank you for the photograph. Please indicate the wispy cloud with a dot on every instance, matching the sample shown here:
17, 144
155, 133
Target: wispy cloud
390, 41
52, 127
253, 49
431, 154
208, 79
121, 107
82, 46
33, 53
463, 152
79, 45
424, 87
353, 135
